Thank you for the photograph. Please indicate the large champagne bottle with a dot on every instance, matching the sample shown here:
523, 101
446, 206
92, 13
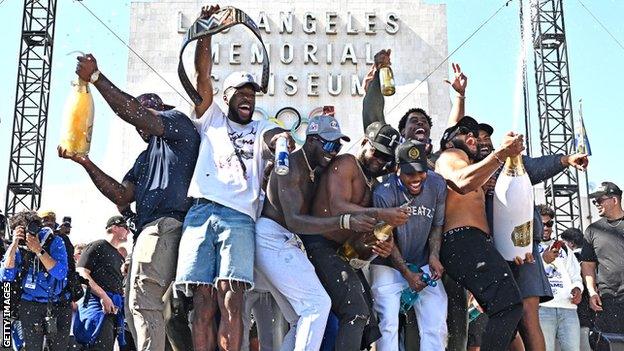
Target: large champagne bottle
78, 120
513, 210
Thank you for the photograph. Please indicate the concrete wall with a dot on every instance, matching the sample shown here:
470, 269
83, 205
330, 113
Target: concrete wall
418, 46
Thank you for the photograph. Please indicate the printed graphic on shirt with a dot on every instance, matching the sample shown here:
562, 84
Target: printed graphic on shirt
243, 143
421, 210
161, 157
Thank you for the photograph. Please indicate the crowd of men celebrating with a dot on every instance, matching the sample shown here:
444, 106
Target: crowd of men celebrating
213, 230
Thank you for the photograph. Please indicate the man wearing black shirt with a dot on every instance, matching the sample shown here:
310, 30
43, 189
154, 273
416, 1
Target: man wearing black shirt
101, 263
603, 262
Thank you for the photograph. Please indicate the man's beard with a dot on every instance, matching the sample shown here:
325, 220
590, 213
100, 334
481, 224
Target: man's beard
460, 144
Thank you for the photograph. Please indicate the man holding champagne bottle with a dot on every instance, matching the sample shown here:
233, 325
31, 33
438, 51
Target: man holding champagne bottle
346, 188
467, 252
417, 242
286, 212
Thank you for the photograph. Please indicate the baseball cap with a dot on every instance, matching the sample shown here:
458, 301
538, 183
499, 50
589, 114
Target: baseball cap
115, 220
383, 137
411, 156
607, 188
153, 101
326, 127
46, 213
238, 79
486, 128
466, 123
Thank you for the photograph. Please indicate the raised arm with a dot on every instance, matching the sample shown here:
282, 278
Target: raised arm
203, 65
464, 177
459, 85
124, 105
121, 194
373, 102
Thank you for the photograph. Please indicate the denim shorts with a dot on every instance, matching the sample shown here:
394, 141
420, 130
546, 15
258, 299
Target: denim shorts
217, 244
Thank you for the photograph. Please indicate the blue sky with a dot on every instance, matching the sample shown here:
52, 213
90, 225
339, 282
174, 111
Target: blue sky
489, 59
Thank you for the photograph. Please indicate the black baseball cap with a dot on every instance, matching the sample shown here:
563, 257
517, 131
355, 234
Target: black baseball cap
607, 188
486, 128
383, 137
153, 101
466, 123
411, 157
115, 220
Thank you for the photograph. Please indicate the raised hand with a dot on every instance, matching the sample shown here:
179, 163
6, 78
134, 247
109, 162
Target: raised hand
208, 11
460, 81
512, 145
86, 66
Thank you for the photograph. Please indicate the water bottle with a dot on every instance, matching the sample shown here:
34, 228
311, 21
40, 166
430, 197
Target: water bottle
281, 156
409, 296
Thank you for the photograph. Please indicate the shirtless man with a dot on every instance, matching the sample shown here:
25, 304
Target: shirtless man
467, 252
346, 189
286, 211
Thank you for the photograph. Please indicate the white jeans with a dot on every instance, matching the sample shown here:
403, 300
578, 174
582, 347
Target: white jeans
430, 308
290, 276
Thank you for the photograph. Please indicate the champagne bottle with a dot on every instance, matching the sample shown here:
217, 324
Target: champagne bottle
386, 79
78, 120
358, 249
513, 210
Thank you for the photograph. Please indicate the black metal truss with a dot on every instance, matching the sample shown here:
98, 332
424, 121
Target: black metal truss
554, 104
31, 106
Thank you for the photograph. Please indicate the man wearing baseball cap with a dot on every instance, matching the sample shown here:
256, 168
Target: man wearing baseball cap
601, 265
345, 189
285, 215
217, 250
157, 183
418, 242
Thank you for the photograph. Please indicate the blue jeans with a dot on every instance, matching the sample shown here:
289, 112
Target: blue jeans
217, 244
560, 326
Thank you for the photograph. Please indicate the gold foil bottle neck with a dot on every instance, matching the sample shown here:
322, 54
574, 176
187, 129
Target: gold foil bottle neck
514, 167
81, 86
383, 231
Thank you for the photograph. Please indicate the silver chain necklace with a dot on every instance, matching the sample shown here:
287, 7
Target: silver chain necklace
617, 225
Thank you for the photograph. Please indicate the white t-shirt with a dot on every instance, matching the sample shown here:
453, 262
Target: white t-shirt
218, 175
564, 274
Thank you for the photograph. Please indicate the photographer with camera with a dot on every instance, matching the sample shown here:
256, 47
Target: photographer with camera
36, 263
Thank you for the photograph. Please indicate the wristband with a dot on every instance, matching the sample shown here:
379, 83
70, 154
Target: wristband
341, 222
461, 97
41, 253
347, 221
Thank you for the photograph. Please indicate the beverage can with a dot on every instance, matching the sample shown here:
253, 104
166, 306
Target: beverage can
281, 156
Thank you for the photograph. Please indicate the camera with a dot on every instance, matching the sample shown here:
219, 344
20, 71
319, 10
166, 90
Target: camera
32, 228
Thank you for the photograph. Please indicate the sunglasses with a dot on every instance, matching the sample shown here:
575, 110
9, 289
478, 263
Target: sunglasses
599, 201
548, 224
383, 156
330, 146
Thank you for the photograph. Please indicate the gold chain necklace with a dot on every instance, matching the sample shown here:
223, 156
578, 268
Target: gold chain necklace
368, 182
308, 164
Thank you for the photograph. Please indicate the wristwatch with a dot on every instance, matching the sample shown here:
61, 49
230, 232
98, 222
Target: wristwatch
41, 253
94, 77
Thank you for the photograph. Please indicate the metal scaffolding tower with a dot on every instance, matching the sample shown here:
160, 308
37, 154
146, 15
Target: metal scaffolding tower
554, 104
31, 106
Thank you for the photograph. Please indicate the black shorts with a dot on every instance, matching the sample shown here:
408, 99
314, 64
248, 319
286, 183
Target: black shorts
470, 258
